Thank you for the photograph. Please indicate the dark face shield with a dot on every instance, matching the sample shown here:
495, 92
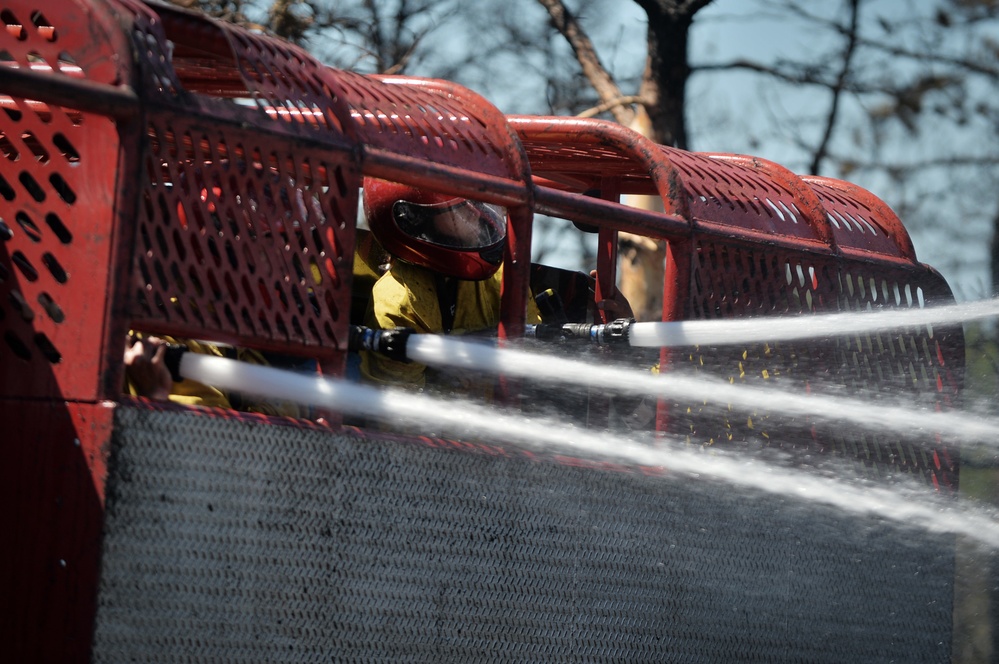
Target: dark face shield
457, 224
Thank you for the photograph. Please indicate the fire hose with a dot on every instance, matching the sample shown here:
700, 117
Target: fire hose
691, 333
393, 342
623, 332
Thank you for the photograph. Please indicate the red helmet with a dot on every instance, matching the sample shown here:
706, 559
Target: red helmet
453, 236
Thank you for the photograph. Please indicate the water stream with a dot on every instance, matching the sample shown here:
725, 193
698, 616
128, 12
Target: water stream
875, 413
765, 328
906, 503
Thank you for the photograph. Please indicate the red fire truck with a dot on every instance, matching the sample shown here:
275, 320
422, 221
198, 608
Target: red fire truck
170, 173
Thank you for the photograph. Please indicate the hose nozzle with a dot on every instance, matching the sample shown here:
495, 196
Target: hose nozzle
171, 358
614, 333
390, 343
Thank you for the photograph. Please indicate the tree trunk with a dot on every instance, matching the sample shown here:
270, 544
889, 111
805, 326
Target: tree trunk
640, 259
667, 69
664, 92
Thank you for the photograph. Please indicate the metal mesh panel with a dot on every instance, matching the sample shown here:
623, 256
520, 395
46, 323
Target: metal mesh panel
243, 238
920, 365
235, 541
246, 226
860, 220
766, 199
433, 121
186, 52
57, 164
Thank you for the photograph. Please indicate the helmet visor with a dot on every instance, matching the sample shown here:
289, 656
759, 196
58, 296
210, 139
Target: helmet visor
456, 224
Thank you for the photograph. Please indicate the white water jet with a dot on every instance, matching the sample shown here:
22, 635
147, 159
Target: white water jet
914, 506
788, 328
972, 431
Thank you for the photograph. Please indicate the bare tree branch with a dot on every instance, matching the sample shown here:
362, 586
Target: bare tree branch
945, 163
601, 80
286, 23
609, 105
837, 90
893, 49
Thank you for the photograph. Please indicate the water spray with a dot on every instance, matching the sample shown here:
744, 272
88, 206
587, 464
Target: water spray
422, 410
689, 333
673, 334
910, 505
442, 351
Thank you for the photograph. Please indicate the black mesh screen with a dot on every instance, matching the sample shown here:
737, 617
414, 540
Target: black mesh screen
231, 540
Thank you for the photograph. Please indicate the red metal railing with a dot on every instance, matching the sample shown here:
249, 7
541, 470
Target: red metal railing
166, 172
746, 237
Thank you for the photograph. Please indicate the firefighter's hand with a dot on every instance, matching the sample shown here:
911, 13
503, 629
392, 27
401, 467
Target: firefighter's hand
616, 306
146, 369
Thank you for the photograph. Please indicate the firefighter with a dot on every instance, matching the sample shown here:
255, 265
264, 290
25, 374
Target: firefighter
444, 274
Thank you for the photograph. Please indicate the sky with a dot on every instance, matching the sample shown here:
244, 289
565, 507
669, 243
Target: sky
742, 113
951, 230
951, 233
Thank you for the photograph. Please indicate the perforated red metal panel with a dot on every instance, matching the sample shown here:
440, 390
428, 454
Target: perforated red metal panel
184, 52
435, 122
750, 196
861, 223
57, 180
757, 240
57, 195
245, 225
243, 239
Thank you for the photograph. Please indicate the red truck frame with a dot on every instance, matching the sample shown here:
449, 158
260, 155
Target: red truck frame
124, 123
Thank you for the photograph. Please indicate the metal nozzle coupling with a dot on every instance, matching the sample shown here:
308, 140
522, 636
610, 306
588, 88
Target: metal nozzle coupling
171, 358
613, 333
390, 343
616, 332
